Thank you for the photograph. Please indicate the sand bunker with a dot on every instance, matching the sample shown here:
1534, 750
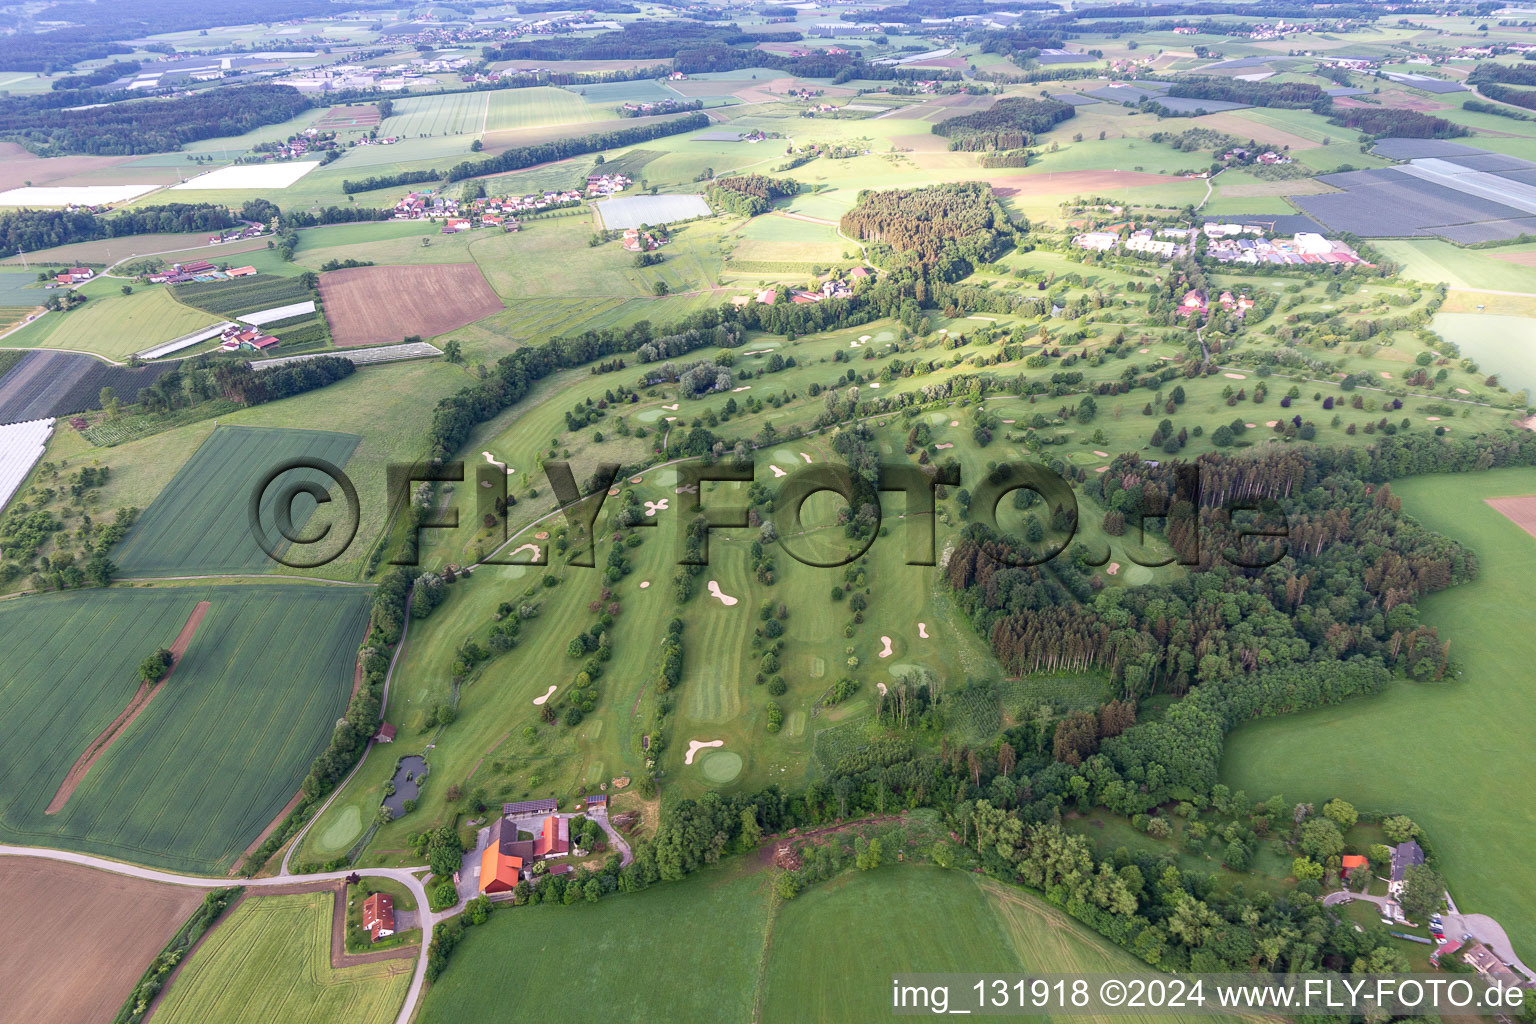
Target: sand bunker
1010, 421
1385, 375
806, 457
1250, 426
1270, 423
946, 444
686, 489
547, 694
874, 383
777, 472
1235, 376
922, 630
715, 591
526, 547
1462, 391
1102, 455
1433, 419
652, 507
671, 408
644, 584
954, 423
634, 479
1114, 567
881, 688
613, 492
864, 337
499, 465
886, 653
1143, 351
1101, 469
671, 419
694, 746
744, 387
853, 344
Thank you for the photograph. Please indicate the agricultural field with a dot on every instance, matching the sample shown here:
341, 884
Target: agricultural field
111, 324
238, 296
537, 108
374, 305
72, 968
825, 956
191, 780
199, 523
1349, 749
1496, 342
49, 383
454, 114
270, 960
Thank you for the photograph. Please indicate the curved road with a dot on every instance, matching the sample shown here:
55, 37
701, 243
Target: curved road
403, 876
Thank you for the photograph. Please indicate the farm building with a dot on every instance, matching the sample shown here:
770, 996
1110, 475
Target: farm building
1352, 861
379, 915
505, 857
386, 733
554, 840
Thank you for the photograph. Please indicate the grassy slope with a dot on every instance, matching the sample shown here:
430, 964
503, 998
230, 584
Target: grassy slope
112, 324
1446, 754
220, 750
271, 961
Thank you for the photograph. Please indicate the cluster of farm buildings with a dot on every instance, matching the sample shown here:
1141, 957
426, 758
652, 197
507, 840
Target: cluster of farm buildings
636, 240
1225, 243
508, 859
250, 339
1194, 304
497, 211
198, 270
252, 230
831, 288
72, 276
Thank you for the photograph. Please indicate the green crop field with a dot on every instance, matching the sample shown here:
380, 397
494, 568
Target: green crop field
218, 752
452, 114
538, 107
200, 523
1389, 753
1498, 343
826, 956
241, 295
112, 324
271, 961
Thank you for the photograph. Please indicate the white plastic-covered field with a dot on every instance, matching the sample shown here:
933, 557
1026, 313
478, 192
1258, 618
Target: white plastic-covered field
72, 195
632, 211
361, 356
250, 176
21, 445
276, 313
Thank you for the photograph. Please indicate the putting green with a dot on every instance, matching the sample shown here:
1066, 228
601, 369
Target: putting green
595, 730
937, 418
818, 668
783, 455
595, 773
649, 415
664, 477
885, 335
904, 668
342, 829
721, 766
794, 725
1135, 575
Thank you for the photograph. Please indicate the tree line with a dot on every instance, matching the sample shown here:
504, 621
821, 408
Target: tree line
30, 230
114, 127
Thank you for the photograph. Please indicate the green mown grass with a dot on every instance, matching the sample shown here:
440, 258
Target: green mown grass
1450, 754
271, 960
112, 324
223, 746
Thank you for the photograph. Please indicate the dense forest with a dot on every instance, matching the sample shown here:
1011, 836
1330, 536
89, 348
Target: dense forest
1389, 122
1008, 124
638, 40
1293, 95
30, 230
948, 229
748, 195
526, 156
146, 125
1504, 94
1507, 74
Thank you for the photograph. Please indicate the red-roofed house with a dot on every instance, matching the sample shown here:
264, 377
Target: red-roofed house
554, 840
240, 272
386, 733
379, 915
1351, 862
499, 871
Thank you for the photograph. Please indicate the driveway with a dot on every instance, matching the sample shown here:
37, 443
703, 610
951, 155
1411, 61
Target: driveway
614, 839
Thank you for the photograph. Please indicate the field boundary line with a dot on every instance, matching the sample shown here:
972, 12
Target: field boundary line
146, 693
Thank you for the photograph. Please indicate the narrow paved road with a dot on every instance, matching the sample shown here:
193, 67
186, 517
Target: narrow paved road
404, 876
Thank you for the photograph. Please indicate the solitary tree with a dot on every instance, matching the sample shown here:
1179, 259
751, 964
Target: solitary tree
154, 667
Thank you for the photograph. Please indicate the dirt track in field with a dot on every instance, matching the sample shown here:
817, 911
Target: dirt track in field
80, 938
1521, 511
375, 305
120, 724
